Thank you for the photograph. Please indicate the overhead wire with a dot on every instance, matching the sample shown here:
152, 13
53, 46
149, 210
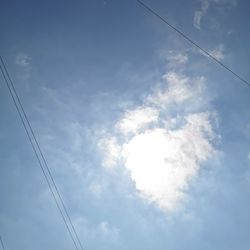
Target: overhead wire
36, 154
37, 150
2, 245
149, 9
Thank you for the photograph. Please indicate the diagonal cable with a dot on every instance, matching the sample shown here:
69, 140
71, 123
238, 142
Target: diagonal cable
2, 245
193, 42
35, 145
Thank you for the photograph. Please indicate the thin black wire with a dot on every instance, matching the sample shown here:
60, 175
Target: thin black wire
42, 155
23, 119
36, 154
192, 42
2, 243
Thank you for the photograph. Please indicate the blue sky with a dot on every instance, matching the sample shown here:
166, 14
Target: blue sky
147, 139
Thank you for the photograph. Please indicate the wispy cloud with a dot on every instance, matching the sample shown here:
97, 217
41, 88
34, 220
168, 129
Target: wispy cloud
205, 5
218, 52
199, 14
103, 230
107, 230
95, 189
179, 90
247, 174
23, 60
246, 130
112, 149
176, 59
165, 141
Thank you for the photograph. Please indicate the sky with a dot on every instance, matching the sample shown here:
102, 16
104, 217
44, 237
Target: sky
147, 139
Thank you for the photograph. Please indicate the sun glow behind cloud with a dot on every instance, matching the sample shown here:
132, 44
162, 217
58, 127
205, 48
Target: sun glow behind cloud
165, 141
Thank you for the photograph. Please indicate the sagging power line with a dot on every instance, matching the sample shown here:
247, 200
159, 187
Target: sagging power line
149, 9
40, 157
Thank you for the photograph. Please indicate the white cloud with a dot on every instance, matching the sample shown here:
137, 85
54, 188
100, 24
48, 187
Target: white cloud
218, 52
136, 119
162, 161
112, 151
205, 5
197, 19
179, 90
198, 15
175, 58
164, 142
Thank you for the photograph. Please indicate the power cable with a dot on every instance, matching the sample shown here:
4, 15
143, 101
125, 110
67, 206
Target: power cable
36, 154
32, 138
1, 240
192, 42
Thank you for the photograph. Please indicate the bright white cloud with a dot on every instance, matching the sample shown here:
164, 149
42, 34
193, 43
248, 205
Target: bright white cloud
163, 161
164, 142
137, 119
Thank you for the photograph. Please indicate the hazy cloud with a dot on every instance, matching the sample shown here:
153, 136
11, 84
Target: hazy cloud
24, 61
107, 230
112, 151
95, 189
103, 230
